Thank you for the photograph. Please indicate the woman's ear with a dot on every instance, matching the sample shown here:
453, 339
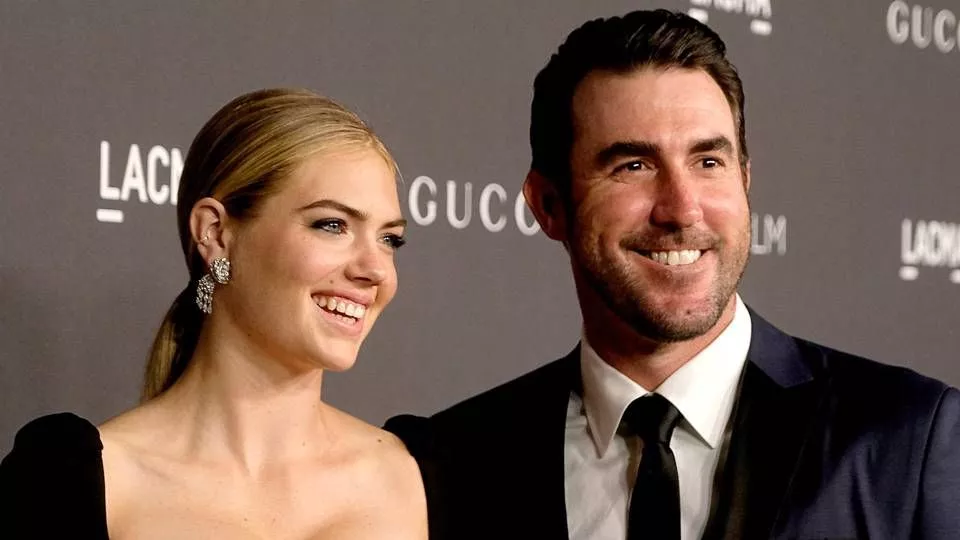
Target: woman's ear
547, 205
208, 227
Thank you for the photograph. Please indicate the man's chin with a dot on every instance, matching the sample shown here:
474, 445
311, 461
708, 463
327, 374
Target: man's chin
676, 331
678, 321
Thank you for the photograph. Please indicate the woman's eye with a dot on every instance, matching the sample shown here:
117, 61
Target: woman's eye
335, 226
395, 241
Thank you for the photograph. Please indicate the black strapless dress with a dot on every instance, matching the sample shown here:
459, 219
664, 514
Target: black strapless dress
51, 483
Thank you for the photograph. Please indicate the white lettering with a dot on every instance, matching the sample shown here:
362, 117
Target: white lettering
107, 192
944, 41
935, 243
754, 8
730, 6
761, 11
934, 255
488, 191
907, 256
897, 26
759, 7
773, 234
755, 236
920, 25
460, 205
431, 215
922, 19
176, 169
944, 244
133, 176
775, 230
455, 222
150, 184
949, 244
157, 154
529, 228
952, 245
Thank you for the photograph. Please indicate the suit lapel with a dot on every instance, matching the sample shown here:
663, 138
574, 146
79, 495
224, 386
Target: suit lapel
542, 467
778, 401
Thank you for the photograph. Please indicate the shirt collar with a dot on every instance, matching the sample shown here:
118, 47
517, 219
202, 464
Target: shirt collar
703, 389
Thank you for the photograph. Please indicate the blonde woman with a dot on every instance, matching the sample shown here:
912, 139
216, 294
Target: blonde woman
289, 220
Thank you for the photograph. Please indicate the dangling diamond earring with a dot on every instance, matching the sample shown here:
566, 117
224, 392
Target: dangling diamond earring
219, 273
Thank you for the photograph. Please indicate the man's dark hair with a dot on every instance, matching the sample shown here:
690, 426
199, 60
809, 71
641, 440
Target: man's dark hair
658, 39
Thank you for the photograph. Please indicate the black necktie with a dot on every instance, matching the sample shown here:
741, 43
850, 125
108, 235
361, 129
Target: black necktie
655, 503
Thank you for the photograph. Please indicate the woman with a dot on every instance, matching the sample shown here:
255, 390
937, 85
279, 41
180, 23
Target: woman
289, 220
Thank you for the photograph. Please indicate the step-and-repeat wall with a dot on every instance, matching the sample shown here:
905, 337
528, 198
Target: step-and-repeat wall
853, 116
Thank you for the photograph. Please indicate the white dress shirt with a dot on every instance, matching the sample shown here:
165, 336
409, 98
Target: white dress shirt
600, 463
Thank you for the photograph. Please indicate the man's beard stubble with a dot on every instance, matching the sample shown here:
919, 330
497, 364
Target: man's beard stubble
623, 293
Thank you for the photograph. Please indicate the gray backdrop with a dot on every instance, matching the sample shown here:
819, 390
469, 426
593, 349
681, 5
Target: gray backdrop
853, 112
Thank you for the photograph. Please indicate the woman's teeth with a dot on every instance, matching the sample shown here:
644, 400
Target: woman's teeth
341, 306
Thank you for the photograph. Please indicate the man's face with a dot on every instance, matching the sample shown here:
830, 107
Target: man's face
658, 219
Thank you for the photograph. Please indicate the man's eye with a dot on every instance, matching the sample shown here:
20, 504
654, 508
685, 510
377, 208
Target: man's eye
710, 163
395, 241
631, 166
332, 225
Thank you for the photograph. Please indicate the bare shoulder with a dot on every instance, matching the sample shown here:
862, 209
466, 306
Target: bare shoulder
125, 431
123, 438
382, 461
133, 430
377, 449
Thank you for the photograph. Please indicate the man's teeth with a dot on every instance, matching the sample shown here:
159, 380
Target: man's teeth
676, 258
341, 306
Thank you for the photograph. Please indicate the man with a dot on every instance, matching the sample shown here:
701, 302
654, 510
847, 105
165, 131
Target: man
681, 414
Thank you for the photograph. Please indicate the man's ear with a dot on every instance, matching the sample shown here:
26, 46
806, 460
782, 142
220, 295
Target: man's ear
208, 226
547, 205
746, 177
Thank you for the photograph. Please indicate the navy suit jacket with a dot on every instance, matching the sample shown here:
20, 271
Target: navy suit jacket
821, 444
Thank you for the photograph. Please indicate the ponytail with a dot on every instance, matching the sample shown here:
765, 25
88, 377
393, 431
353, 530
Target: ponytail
173, 345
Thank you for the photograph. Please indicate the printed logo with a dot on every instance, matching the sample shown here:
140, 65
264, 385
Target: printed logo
149, 178
923, 26
495, 207
929, 244
760, 12
768, 234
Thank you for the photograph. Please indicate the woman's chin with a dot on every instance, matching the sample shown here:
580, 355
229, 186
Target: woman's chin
336, 362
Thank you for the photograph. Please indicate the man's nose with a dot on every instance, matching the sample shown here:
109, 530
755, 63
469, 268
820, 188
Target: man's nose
677, 200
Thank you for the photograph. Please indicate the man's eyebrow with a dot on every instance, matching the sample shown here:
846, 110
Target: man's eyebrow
351, 211
622, 149
713, 144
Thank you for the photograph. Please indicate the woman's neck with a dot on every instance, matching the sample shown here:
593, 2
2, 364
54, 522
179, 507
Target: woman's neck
235, 406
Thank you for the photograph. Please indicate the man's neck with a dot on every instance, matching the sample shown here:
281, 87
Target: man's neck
646, 361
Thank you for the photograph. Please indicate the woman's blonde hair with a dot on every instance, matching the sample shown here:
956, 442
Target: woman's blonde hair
239, 158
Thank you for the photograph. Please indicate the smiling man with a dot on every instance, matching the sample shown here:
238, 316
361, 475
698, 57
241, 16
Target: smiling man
681, 414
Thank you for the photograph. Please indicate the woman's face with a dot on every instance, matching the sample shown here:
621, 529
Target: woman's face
314, 269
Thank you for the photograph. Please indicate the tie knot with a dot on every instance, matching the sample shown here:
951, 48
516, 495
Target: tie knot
652, 417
